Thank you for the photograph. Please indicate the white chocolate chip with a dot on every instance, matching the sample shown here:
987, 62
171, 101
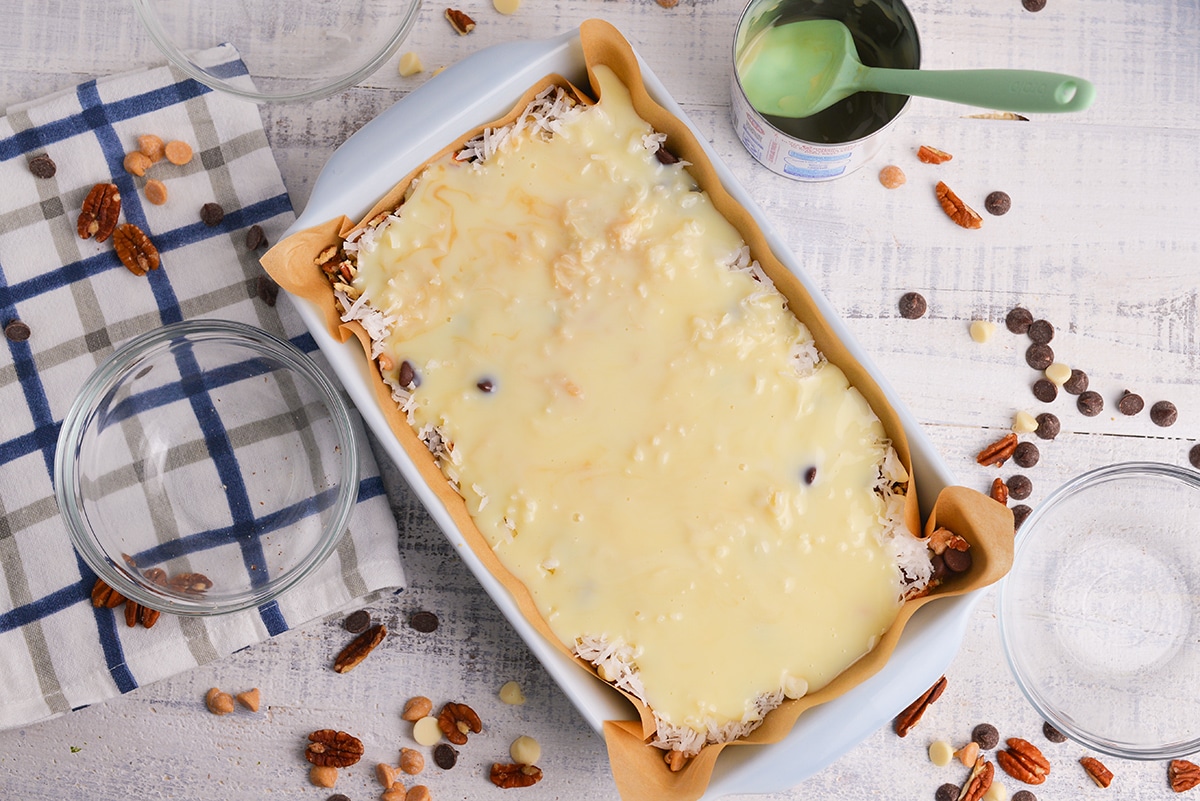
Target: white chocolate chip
525, 750
794, 686
1059, 373
410, 64
941, 753
511, 693
426, 731
982, 330
997, 792
507, 7
1024, 423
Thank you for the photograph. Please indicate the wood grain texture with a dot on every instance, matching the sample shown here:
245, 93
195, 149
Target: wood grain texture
1102, 240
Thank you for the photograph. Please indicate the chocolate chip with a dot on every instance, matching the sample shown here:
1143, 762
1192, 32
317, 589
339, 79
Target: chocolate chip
338, 797
255, 238
1163, 413
912, 305
42, 166
424, 622
1033, 5
1048, 426
1194, 456
1039, 356
444, 756
1130, 404
1023, 795
1018, 320
1019, 487
938, 565
986, 735
947, 792
486, 385
1027, 454
1077, 384
267, 289
17, 331
1053, 734
408, 375
1041, 331
1045, 390
957, 561
212, 214
810, 475
665, 156
1020, 512
1090, 403
357, 622
997, 203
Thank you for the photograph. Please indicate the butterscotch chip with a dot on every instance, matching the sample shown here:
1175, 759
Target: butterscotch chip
152, 147
136, 163
250, 699
323, 776
416, 708
178, 152
156, 192
892, 177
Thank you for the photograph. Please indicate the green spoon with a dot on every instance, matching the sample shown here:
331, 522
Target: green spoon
800, 68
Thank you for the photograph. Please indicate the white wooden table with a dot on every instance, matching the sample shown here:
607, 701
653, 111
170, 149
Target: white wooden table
1102, 240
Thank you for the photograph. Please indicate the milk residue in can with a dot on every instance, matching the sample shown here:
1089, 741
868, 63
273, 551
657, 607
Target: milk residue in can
843, 137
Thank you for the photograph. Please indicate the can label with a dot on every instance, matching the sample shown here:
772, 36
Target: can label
795, 158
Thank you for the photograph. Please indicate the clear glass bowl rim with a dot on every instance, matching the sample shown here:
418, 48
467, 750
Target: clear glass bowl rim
180, 59
102, 380
1004, 600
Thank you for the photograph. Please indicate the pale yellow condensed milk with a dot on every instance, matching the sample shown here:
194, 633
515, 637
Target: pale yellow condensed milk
698, 503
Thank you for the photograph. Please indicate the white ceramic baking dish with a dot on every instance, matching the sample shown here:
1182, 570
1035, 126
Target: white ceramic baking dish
482, 88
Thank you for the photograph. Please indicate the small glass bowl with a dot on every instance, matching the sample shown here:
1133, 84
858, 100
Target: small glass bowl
293, 51
1100, 615
205, 468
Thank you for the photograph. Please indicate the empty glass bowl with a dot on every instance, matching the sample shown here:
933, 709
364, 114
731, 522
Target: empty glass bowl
299, 50
206, 467
1100, 615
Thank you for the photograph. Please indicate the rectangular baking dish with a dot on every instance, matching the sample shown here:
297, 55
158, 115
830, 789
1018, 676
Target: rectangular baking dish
482, 88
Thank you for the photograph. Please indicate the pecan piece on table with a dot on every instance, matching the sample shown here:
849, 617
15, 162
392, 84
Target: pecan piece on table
105, 596
456, 720
507, 777
134, 249
328, 748
359, 648
1183, 775
999, 492
1023, 761
100, 211
1096, 771
137, 613
998, 452
458, 20
977, 784
931, 155
955, 208
909, 717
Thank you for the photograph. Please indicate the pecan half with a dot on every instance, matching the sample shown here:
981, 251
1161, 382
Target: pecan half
456, 720
955, 208
998, 452
977, 784
101, 208
931, 155
1101, 775
1023, 761
328, 748
461, 23
359, 648
105, 596
134, 249
507, 777
909, 717
1183, 775
999, 492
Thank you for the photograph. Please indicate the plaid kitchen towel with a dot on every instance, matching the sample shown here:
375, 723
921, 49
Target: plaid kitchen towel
77, 302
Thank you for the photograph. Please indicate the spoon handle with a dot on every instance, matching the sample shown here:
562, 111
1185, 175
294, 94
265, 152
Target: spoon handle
1003, 90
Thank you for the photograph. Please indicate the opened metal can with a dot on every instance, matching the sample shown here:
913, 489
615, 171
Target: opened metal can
843, 137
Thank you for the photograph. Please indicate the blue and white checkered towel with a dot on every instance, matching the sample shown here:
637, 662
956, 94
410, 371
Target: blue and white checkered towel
57, 652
